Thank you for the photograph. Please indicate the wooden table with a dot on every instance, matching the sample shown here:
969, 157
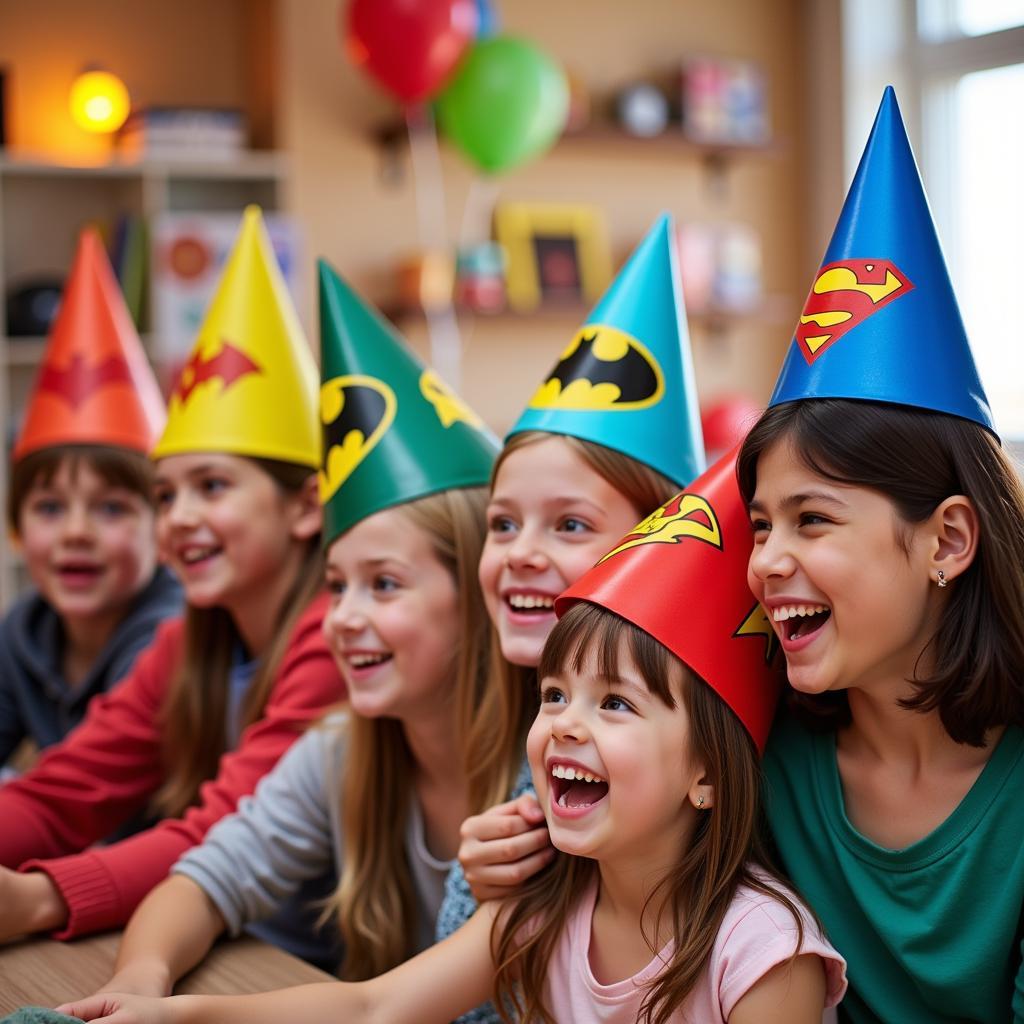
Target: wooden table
41, 972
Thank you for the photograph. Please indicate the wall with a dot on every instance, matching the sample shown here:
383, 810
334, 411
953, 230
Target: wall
327, 111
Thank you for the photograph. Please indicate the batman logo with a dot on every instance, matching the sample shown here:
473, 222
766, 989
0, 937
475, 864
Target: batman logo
79, 379
355, 412
756, 624
603, 369
228, 365
843, 296
686, 515
448, 406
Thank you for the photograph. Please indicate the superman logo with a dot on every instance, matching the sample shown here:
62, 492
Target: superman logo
686, 515
602, 369
756, 624
355, 413
448, 406
79, 379
228, 366
844, 295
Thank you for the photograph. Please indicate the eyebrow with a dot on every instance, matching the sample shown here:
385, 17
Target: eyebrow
792, 501
557, 502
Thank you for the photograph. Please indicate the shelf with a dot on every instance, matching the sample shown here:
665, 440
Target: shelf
25, 351
249, 164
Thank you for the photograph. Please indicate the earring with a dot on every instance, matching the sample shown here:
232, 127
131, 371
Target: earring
941, 579
700, 801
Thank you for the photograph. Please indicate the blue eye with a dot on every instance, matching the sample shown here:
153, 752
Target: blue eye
386, 584
552, 695
47, 507
114, 509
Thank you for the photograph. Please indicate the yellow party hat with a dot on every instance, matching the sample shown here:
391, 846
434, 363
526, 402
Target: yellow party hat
250, 386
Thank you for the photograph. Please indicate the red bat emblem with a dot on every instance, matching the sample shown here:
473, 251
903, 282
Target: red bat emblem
229, 365
79, 379
843, 295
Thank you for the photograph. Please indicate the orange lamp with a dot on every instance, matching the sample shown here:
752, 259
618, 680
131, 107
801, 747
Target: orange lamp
99, 101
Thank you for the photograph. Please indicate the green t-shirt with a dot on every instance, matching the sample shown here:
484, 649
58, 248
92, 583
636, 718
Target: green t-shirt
932, 932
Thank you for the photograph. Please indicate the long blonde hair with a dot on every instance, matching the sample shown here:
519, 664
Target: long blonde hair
375, 899
496, 733
194, 715
696, 892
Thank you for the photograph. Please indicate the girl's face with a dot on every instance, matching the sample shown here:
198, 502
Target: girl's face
88, 544
852, 607
636, 750
393, 624
550, 518
225, 528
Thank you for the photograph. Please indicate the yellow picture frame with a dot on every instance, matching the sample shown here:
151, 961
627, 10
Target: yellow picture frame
554, 252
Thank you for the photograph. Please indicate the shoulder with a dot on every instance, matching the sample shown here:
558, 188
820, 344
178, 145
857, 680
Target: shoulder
23, 613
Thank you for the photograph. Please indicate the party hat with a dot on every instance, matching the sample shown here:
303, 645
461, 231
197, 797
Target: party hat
94, 385
881, 322
393, 431
249, 387
681, 575
626, 379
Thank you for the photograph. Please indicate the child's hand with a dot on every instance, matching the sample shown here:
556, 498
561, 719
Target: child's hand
139, 979
503, 847
29, 902
120, 1008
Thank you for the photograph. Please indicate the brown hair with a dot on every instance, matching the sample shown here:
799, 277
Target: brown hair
497, 732
375, 899
193, 717
119, 467
725, 851
917, 459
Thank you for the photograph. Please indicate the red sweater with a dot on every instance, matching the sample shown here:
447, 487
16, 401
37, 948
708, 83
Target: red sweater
111, 765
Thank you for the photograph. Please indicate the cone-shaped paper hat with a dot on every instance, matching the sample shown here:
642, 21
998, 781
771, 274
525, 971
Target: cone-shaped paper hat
94, 385
249, 387
881, 322
392, 429
681, 575
626, 379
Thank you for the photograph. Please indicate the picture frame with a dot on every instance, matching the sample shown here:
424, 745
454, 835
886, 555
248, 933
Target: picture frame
556, 253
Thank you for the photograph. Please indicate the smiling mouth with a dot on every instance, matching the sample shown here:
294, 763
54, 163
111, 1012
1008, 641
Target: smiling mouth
368, 660
195, 555
573, 787
530, 604
801, 620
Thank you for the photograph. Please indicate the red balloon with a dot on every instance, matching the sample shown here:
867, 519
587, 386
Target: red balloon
726, 422
409, 46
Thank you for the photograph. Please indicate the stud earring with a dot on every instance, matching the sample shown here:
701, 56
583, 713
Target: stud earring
700, 801
941, 579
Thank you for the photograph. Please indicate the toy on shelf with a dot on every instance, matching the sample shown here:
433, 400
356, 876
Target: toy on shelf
720, 268
724, 102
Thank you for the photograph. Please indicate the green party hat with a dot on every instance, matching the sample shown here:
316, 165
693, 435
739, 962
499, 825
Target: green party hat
393, 431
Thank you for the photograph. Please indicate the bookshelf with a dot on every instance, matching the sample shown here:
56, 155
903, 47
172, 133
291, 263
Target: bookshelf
44, 204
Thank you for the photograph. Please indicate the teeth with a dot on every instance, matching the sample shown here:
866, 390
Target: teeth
531, 601
564, 771
359, 660
196, 555
781, 614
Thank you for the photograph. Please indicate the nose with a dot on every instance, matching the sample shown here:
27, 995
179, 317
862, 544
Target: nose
771, 558
527, 552
569, 725
77, 525
180, 511
346, 614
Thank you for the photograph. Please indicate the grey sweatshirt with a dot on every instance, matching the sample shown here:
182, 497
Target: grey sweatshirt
289, 833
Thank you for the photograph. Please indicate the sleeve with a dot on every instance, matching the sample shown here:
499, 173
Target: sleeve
253, 860
759, 933
1018, 991
103, 885
12, 725
83, 788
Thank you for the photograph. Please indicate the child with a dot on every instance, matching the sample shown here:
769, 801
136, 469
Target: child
656, 693
612, 433
80, 507
378, 796
889, 550
238, 520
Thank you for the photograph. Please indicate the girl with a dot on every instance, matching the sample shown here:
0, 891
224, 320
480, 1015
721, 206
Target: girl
889, 551
238, 520
80, 507
659, 906
584, 462
377, 797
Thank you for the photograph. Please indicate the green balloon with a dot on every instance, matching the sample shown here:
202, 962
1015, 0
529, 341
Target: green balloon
507, 103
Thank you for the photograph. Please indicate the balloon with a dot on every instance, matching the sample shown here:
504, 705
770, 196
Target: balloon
507, 102
487, 22
725, 422
410, 46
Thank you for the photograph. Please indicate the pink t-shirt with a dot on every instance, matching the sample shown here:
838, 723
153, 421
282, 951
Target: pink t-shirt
757, 933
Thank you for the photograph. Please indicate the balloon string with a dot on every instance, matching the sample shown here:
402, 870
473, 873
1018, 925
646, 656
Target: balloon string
478, 211
445, 343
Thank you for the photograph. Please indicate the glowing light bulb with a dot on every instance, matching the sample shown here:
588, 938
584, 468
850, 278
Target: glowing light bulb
99, 101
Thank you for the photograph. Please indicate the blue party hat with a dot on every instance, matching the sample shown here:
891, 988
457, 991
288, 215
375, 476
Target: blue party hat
626, 379
881, 322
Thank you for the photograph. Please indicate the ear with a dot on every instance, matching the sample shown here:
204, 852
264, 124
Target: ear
702, 794
955, 538
308, 515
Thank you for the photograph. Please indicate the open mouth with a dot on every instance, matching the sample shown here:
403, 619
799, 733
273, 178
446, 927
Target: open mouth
530, 604
364, 661
801, 620
193, 556
574, 787
78, 572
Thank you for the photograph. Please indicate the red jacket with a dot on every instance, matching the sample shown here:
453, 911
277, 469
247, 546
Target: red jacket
111, 765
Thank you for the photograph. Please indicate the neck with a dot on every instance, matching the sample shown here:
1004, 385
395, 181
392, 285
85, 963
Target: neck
257, 617
433, 743
84, 639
